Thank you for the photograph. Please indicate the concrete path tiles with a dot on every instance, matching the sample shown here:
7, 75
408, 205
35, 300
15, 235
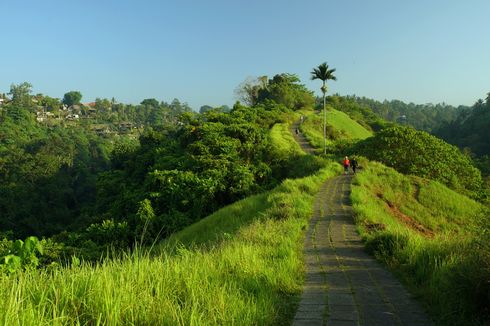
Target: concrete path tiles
345, 286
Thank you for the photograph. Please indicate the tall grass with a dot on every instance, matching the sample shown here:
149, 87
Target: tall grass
282, 142
242, 265
447, 259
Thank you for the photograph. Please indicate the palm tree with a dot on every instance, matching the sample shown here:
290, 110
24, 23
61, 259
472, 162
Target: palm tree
323, 73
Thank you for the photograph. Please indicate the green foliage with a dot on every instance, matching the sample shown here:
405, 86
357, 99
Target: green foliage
470, 129
109, 232
150, 102
21, 94
51, 172
183, 174
428, 117
72, 98
434, 238
49, 103
323, 73
240, 265
285, 89
20, 255
418, 153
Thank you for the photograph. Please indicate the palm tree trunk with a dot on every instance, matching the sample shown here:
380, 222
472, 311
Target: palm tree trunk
324, 121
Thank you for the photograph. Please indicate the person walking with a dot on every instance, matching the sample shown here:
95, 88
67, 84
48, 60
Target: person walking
346, 163
353, 164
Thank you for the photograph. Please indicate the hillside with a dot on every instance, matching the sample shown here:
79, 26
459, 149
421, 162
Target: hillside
242, 263
232, 194
435, 239
469, 131
339, 126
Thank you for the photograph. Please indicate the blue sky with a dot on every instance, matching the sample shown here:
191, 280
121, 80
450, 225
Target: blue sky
200, 51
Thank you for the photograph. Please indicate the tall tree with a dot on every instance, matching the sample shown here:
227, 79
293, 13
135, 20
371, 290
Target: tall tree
21, 94
323, 73
248, 90
150, 102
72, 98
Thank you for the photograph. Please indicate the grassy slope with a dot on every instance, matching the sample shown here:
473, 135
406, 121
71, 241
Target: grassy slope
351, 129
430, 235
247, 270
241, 265
282, 142
312, 128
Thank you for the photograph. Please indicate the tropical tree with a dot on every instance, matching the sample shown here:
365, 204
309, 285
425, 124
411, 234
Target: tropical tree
323, 73
72, 98
21, 94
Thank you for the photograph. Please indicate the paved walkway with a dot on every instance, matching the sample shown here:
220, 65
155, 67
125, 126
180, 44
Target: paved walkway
344, 285
303, 143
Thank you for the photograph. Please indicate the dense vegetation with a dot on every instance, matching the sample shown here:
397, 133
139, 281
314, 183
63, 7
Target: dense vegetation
243, 263
89, 186
470, 131
283, 89
426, 117
178, 176
47, 175
416, 152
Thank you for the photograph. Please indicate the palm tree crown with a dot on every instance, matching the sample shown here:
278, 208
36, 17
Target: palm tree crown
323, 73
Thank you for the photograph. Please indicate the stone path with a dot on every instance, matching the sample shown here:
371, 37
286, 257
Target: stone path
301, 140
344, 285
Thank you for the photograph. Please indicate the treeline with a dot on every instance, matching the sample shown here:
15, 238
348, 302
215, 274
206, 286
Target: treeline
470, 131
427, 117
53, 111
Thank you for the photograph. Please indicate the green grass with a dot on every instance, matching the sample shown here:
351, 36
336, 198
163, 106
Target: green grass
282, 142
446, 259
349, 127
339, 125
241, 265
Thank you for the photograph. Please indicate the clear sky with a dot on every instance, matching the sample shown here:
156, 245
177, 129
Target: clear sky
199, 50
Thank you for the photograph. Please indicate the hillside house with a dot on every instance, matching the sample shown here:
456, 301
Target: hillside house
44, 116
125, 127
72, 117
101, 130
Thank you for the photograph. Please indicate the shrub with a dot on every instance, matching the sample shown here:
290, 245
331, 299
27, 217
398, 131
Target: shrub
21, 255
418, 153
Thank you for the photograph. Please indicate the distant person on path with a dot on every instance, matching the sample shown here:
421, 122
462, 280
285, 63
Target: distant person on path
353, 164
346, 165
296, 131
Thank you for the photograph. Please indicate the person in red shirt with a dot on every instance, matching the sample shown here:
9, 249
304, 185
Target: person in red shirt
346, 165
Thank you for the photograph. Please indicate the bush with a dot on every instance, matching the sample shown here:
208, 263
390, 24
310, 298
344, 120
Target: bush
418, 153
20, 254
